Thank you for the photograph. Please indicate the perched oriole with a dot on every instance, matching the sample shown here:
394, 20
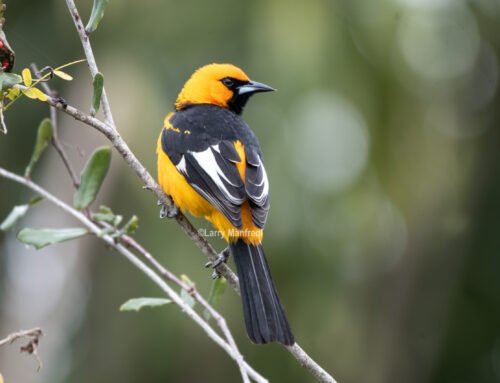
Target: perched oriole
210, 163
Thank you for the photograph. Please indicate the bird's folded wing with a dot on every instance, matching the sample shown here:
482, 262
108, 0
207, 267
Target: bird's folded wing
217, 179
209, 166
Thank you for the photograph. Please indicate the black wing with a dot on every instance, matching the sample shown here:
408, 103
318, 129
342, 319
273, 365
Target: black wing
201, 146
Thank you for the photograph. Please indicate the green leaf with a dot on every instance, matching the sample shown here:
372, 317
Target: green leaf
35, 200
98, 85
15, 215
118, 219
39, 238
131, 226
185, 295
43, 136
106, 231
8, 80
92, 176
96, 15
101, 217
136, 304
104, 214
218, 288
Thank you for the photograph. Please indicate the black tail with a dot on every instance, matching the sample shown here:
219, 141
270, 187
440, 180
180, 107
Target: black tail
265, 318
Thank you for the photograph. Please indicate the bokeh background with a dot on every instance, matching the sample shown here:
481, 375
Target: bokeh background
382, 147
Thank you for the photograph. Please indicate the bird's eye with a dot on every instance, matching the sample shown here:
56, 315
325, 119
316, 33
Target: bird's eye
228, 82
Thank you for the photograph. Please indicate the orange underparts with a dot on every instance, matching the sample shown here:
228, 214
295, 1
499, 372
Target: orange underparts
187, 199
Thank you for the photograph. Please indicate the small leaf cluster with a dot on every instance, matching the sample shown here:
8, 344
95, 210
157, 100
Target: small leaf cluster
91, 180
105, 214
13, 86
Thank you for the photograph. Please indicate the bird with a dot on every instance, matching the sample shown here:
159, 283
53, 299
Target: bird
211, 165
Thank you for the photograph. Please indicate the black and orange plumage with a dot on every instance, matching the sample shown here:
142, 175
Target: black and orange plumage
210, 163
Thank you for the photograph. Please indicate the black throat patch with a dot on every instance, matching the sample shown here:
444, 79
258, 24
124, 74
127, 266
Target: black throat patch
237, 102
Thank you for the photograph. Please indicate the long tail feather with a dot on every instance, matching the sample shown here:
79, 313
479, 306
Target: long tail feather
265, 318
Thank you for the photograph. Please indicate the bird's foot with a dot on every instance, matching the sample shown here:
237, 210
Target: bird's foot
219, 260
165, 212
61, 101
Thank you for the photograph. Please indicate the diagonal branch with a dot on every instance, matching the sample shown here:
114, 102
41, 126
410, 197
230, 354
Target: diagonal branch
229, 346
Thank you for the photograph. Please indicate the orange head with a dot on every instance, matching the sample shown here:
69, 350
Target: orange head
219, 84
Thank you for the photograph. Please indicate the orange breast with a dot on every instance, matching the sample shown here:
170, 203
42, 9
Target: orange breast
186, 198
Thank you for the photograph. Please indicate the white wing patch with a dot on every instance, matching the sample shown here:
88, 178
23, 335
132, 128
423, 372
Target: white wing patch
213, 174
181, 166
206, 160
264, 182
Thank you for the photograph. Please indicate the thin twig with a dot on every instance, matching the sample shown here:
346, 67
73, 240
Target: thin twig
221, 322
229, 347
31, 347
310, 364
56, 143
34, 332
89, 55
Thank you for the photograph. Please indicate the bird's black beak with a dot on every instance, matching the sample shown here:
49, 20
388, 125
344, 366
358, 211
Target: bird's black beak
254, 87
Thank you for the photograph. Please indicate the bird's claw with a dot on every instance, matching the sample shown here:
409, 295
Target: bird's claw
61, 101
165, 212
219, 260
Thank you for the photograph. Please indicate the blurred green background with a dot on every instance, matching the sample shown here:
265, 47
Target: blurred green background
382, 148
